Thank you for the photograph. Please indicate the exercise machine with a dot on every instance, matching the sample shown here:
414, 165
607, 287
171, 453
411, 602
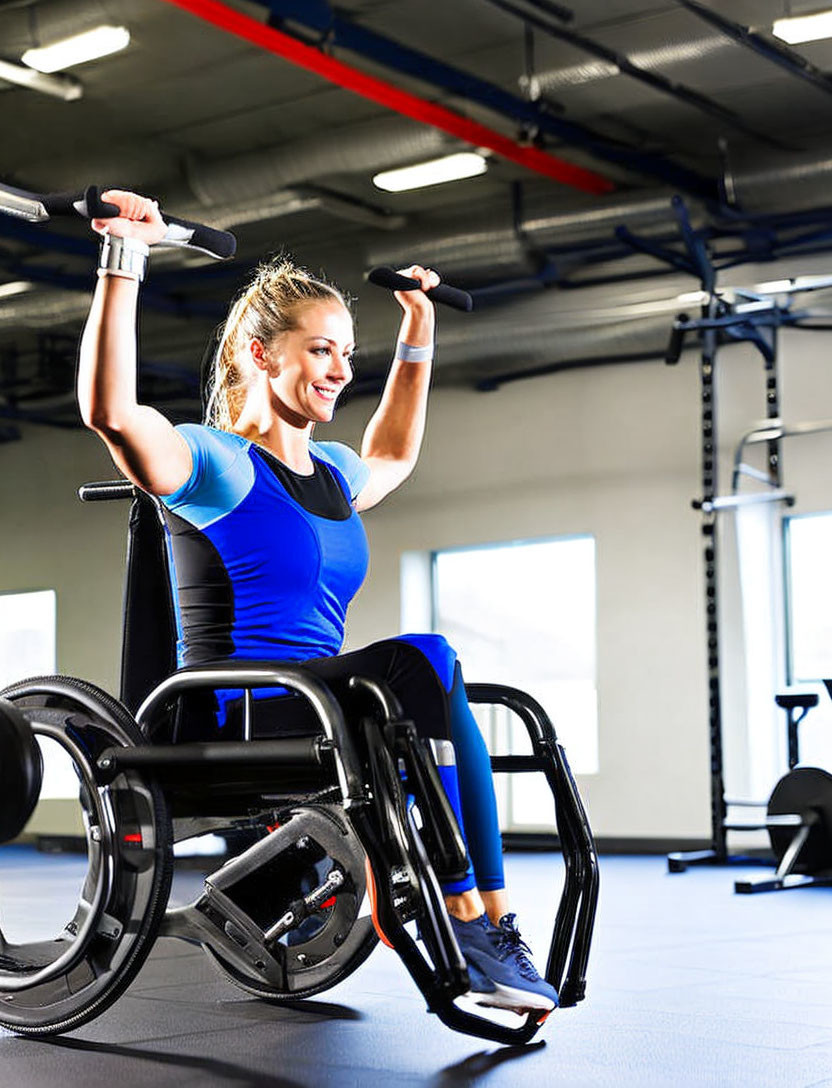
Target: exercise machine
798, 813
731, 316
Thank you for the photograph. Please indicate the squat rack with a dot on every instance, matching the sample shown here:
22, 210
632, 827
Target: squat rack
731, 316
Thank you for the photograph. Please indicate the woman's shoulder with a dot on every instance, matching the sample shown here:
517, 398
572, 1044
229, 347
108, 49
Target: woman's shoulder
221, 473
346, 460
200, 436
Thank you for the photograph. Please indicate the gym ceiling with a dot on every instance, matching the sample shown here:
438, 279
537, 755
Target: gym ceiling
271, 119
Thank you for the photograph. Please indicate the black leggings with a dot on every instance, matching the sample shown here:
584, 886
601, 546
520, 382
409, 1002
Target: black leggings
404, 668
428, 684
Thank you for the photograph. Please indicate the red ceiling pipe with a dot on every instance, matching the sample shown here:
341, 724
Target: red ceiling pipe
386, 94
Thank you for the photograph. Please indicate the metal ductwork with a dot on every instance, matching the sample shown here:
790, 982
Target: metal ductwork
45, 309
289, 202
497, 346
498, 247
261, 183
359, 148
657, 59
542, 329
793, 183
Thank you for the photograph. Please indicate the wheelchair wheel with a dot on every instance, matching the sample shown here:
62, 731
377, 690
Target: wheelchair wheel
314, 843
80, 938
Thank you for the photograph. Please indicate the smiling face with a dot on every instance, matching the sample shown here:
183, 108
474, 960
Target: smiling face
309, 365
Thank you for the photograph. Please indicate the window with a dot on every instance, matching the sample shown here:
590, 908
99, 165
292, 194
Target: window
28, 648
809, 589
27, 635
523, 614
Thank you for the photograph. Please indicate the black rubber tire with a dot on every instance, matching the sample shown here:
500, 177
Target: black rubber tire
111, 724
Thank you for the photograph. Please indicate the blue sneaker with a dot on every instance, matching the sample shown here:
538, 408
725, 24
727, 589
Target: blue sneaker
500, 967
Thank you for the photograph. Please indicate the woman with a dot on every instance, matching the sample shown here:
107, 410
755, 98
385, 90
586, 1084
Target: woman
267, 549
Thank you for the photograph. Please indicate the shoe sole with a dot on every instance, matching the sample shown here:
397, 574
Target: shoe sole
507, 997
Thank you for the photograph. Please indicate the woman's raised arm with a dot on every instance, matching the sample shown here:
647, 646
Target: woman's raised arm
393, 437
141, 441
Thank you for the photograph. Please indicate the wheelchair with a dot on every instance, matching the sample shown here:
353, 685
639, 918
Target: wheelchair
349, 817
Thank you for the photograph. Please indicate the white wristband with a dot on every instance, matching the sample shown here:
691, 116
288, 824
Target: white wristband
123, 257
408, 353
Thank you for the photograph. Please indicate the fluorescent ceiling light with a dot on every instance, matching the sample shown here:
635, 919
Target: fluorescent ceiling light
465, 164
804, 28
78, 49
66, 87
16, 287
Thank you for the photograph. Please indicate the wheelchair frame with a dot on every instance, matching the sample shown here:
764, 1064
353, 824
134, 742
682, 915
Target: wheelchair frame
337, 797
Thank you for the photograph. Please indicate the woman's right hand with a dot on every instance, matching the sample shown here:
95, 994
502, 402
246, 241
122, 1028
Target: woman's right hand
139, 217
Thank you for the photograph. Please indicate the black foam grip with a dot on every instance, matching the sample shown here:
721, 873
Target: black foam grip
58, 203
444, 293
676, 342
87, 204
221, 243
93, 207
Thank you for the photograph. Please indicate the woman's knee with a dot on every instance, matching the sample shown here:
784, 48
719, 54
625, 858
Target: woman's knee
438, 651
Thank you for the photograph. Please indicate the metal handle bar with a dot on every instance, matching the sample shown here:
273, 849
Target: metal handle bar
41, 207
444, 293
246, 675
104, 490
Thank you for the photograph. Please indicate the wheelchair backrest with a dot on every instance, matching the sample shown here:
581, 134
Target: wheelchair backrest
148, 644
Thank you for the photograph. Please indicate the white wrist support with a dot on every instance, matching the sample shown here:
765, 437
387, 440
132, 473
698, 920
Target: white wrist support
123, 257
410, 354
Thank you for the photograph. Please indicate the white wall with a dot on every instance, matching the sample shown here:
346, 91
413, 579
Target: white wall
49, 539
616, 452
611, 451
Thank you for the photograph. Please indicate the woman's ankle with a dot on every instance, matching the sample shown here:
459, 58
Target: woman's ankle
496, 904
466, 906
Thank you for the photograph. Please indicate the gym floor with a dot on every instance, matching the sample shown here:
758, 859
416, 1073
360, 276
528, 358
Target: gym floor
689, 984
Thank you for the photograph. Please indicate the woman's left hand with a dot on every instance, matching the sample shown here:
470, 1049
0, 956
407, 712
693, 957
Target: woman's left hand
415, 301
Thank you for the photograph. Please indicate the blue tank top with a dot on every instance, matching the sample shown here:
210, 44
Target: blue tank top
256, 576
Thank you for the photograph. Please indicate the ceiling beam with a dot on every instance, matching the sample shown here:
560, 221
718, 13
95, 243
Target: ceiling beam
769, 48
335, 29
709, 106
392, 97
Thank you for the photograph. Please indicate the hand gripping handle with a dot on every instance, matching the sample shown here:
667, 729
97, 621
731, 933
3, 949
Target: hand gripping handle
181, 232
41, 207
444, 293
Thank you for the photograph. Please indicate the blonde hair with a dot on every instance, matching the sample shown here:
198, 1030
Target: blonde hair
266, 308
